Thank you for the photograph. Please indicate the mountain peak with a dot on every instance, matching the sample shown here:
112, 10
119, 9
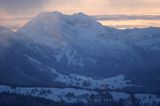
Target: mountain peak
56, 12
44, 15
80, 14
50, 20
59, 16
54, 25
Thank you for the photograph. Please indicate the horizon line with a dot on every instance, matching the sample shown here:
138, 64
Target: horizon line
101, 17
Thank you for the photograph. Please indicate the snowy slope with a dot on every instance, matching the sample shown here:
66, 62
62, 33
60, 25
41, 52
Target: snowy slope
76, 41
57, 30
86, 48
5, 36
117, 82
82, 53
72, 95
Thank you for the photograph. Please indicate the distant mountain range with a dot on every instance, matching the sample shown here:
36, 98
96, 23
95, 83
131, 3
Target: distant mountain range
116, 21
127, 17
75, 51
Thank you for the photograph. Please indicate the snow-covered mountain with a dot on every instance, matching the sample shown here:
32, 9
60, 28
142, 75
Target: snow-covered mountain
57, 50
76, 41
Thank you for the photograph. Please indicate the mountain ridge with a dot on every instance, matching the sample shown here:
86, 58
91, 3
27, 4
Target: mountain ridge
77, 45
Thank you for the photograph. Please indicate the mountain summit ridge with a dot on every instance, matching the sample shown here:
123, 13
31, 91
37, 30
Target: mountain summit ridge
57, 26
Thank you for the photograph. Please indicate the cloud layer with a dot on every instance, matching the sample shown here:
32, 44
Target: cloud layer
29, 7
21, 6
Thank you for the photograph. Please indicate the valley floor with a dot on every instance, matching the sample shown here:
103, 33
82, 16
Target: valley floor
73, 95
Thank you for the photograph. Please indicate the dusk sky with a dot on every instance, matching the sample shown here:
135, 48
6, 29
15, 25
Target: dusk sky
93, 7
25, 8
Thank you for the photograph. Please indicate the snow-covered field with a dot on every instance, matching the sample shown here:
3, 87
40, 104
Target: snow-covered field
72, 95
117, 82
144, 98
69, 95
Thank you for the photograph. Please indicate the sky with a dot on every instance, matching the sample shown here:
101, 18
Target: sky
93, 7
28, 8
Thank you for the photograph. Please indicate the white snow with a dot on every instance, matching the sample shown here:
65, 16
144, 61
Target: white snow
4, 88
116, 82
119, 95
58, 56
32, 60
72, 95
55, 94
147, 98
144, 98
5, 36
57, 30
